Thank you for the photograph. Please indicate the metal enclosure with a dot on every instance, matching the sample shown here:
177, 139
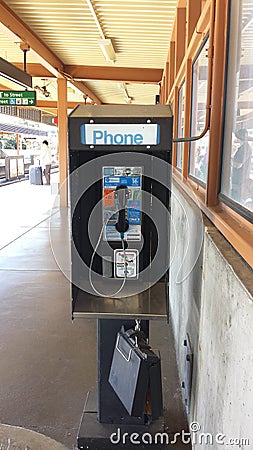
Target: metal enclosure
94, 152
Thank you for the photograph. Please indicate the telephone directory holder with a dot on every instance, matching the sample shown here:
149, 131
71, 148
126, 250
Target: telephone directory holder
135, 375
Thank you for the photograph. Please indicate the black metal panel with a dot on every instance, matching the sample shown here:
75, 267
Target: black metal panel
80, 154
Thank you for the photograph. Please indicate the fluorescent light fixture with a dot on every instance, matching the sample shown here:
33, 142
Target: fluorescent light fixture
14, 74
107, 49
122, 87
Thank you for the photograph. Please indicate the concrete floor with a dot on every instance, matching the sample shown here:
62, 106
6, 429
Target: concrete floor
48, 362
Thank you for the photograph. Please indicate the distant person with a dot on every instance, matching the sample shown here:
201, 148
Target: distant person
241, 164
46, 160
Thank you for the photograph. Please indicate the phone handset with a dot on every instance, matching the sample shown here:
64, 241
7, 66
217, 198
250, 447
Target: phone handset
121, 196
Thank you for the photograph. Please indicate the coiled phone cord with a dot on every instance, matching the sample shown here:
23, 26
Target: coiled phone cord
92, 259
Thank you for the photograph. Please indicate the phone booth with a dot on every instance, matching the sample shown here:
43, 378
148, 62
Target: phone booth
119, 172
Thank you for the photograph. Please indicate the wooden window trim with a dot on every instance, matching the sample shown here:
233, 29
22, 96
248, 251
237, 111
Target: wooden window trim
236, 229
175, 127
187, 112
193, 12
183, 87
180, 34
199, 35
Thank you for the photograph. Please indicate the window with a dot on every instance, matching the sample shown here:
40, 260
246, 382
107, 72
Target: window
237, 161
199, 149
180, 128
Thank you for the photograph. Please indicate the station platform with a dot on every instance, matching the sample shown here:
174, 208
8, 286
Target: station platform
49, 362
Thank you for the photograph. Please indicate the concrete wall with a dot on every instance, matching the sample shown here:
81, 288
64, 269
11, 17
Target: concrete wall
211, 303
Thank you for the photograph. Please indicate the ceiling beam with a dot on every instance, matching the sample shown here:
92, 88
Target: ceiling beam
47, 104
4, 88
36, 70
53, 104
122, 74
13, 23
86, 91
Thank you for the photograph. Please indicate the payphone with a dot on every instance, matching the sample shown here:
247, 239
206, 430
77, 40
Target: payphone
122, 191
122, 186
119, 164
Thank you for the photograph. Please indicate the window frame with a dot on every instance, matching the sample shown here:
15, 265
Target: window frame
189, 175
228, 201
233, 226
181, 88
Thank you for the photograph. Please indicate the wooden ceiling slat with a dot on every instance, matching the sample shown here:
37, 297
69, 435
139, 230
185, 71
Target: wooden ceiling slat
140, 31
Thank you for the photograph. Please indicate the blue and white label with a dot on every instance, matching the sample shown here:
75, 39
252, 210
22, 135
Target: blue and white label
113, 182
134, 212
120, 134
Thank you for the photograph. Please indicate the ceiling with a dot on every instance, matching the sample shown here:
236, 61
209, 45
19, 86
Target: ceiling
64, 35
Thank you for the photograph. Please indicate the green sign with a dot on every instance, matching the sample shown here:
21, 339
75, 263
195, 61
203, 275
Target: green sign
18, 98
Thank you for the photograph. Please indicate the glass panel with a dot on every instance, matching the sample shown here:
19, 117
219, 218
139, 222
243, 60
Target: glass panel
180, 121
237, 164
199, 149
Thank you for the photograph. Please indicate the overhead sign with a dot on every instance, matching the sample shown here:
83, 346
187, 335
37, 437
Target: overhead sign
120, 134
18, 98
15, 74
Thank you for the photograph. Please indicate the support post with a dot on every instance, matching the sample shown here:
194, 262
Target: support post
62, 139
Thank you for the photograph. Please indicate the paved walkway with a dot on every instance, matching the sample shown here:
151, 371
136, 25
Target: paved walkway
49, 362
25, 213
23, 206
16, 438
